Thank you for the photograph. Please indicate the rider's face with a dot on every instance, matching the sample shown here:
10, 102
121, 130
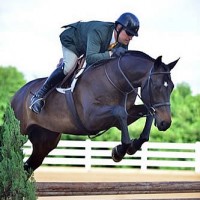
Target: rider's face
124, 38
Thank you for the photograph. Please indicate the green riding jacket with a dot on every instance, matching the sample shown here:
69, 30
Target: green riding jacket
90, 38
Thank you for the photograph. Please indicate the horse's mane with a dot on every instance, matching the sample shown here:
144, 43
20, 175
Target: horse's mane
140, 54
131, 52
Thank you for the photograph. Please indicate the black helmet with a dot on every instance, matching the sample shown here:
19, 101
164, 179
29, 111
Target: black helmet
129, 22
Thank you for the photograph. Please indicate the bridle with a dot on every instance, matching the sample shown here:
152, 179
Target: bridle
150, 106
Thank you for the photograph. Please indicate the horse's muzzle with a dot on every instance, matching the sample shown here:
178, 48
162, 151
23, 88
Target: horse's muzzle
162, 125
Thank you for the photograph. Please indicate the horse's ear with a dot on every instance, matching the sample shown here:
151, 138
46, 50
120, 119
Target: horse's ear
172, 64
158, 62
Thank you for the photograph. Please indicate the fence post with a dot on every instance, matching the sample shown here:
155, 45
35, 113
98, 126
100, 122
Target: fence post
88, 156
197, 157
144, 152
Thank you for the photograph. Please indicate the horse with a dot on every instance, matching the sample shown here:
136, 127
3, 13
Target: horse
104, 97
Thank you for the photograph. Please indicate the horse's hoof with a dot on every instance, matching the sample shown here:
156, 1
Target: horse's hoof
132, 148
115, 155
118, 153
28, 170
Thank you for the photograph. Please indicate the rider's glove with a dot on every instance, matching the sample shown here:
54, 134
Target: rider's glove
117, 52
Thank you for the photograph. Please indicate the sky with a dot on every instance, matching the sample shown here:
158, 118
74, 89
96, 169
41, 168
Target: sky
30, 29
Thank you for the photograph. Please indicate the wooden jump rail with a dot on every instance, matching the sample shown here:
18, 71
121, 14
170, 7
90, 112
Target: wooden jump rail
115, 188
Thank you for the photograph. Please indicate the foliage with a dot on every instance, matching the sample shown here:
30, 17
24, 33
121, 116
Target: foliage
14, 184
10, 81
185, 115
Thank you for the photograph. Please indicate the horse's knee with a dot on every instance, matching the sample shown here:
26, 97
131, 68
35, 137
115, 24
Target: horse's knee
134, 146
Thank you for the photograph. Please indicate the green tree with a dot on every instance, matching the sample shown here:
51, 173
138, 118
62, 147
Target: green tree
14, 184
185, 110
10, 81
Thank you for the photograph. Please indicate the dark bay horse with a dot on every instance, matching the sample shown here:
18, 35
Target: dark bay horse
104, 97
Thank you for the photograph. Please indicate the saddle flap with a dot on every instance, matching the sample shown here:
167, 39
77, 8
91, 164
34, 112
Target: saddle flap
71, 78
73, 72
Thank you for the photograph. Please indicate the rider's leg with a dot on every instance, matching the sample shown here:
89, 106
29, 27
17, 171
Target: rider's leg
70, 60
37, 101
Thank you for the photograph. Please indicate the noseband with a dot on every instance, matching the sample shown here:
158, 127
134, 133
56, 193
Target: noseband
150, 106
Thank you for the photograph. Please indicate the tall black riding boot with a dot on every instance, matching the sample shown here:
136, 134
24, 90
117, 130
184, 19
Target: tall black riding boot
37, 101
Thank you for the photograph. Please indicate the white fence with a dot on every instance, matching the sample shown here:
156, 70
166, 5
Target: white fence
98, 154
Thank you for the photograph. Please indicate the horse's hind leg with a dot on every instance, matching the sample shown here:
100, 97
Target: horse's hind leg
43, 142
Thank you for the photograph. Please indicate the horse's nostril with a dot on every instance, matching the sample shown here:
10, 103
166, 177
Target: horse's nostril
165, 125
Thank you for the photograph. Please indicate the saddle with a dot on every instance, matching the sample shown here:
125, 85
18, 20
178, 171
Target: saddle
69, 82
71, 78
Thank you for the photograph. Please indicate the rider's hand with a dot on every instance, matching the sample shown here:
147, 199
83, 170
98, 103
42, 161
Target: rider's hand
117, 52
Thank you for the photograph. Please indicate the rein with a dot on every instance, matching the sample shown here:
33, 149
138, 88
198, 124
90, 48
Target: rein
150, 107
125, 77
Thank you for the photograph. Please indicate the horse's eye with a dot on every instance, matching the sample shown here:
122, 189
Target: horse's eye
165, 84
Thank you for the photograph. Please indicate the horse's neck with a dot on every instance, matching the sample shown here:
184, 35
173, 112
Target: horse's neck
120, 71
136, 69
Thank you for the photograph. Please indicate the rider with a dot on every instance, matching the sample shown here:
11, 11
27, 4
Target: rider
96, 40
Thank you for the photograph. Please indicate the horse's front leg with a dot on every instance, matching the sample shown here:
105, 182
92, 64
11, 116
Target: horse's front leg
119, 151
144, 136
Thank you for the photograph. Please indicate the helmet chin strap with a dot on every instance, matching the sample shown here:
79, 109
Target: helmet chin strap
118, 32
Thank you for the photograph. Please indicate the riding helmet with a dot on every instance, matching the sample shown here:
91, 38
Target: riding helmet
129, 22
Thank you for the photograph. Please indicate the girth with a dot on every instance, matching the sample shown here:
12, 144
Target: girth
74, 113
